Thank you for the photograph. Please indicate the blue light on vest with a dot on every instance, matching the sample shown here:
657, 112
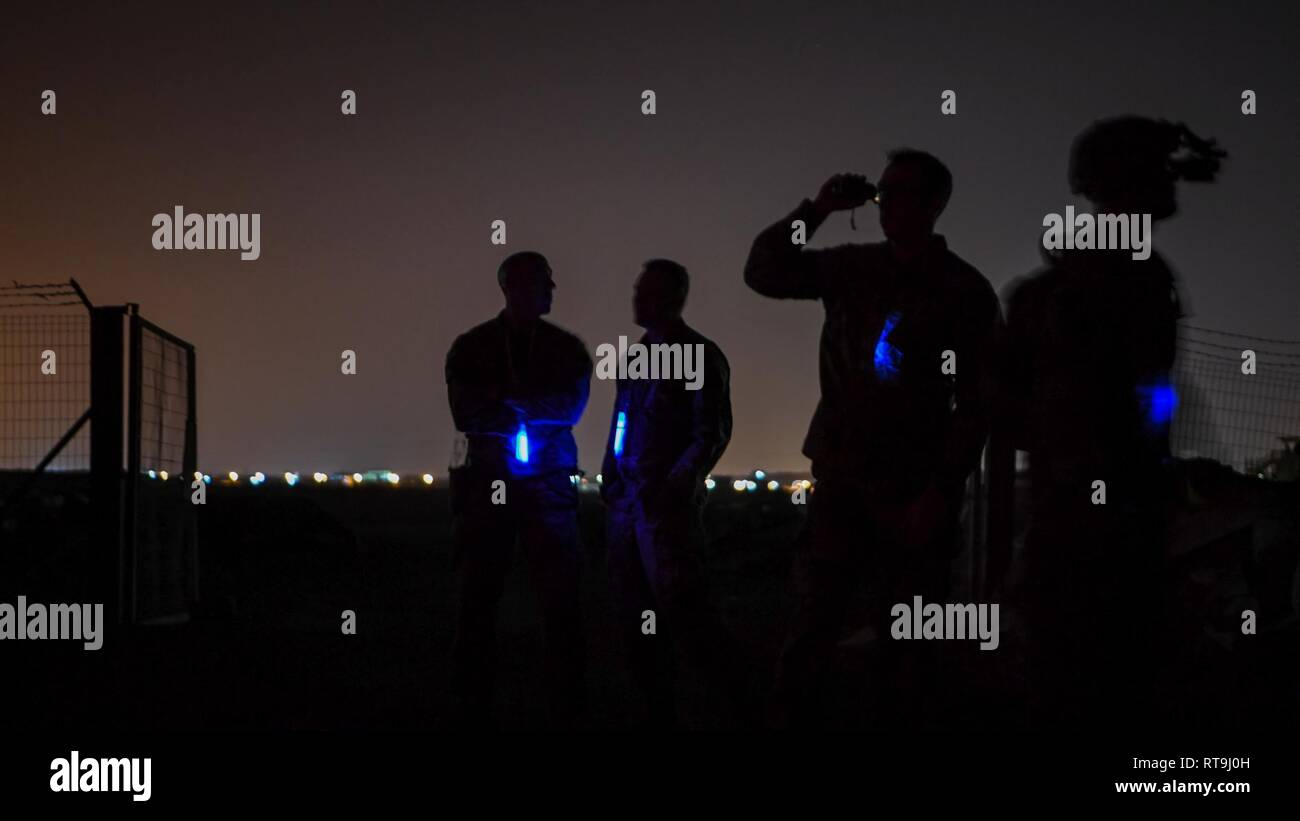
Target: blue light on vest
887, 358
619, 427
1159, 400
521, 444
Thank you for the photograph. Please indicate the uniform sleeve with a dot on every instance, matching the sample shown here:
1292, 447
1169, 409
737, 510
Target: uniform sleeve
477, 406
561, 396
710, 419
1008, 433
977, 343
780, 269
609, 470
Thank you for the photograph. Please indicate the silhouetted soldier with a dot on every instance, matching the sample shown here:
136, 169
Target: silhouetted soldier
664, 438
1090, 349
894, 435
517, 385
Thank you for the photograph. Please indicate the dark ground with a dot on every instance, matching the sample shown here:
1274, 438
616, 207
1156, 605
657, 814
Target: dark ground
264, 651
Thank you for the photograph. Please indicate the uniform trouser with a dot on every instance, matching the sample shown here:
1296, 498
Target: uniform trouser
851, 532
541, 514
1094, 603
655, 561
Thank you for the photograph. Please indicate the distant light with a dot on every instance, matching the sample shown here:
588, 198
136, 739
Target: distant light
162, 474
357, 477
773, 485
234, 477
751, 485
257, 478
739, 484
600, 479
805, 484
393, 478
521, 444
291, 479
207, 479
760, 475
710, 484
320, 478
198, 475
573, 478
153, 475
428, 478
619, 427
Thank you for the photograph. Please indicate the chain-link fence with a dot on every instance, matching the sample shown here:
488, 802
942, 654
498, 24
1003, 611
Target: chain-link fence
44, 378
1239, 401
125, 531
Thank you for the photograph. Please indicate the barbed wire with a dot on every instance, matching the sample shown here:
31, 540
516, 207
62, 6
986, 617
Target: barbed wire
1257, 351
1195, 354
47, 292
39, 304
20, 286
1239, 336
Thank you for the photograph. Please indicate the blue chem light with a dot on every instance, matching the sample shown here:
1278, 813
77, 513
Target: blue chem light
888, 359
1159, 400
619, 427
521, 445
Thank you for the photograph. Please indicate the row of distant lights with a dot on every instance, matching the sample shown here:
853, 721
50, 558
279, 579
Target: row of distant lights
751, 485
292, 479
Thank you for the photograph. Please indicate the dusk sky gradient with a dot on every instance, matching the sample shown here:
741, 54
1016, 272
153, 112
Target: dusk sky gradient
375, 228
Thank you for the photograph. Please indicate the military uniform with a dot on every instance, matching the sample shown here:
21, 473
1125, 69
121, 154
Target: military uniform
1091, 341
653, 484
497, 383
889, 423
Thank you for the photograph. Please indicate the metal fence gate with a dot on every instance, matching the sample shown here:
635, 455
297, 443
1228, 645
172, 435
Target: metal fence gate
99, 400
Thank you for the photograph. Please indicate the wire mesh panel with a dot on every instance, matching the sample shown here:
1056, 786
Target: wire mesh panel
164, 402
44, 377
1244, 420
161, 444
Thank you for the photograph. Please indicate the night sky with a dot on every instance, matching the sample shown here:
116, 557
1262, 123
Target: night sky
376, 228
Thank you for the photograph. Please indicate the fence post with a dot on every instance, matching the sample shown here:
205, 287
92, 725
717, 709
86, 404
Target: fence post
105, 562
132, 503
192, 458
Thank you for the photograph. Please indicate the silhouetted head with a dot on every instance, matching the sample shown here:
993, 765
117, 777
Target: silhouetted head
660, 293
525, 279
914, 190
1130, 164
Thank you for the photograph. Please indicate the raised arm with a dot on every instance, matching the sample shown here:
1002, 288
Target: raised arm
780, 268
